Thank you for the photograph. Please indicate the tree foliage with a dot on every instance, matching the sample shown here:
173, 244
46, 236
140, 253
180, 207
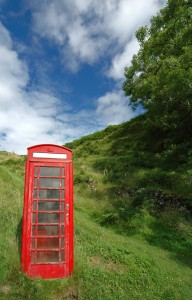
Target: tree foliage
160, 75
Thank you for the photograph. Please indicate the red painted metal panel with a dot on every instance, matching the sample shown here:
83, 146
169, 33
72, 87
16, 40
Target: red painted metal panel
48, 229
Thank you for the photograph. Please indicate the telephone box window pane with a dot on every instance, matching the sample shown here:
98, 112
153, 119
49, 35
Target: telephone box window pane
32, 257
35, 205
62, 229
47, 230
35, 182
35, 194
48, 218
50, 182
47, 243
49, 256
62, 243
49, 205
63, 183
49, 194
62, 194
34, 218
62, 256
36, 171
62, 206
33, 244
49, 171
63, 172
33, 230
62, 218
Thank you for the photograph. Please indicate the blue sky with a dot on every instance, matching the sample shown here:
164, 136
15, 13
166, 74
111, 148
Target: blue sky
62, 67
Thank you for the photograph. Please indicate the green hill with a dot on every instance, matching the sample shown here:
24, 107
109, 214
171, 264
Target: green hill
133, 232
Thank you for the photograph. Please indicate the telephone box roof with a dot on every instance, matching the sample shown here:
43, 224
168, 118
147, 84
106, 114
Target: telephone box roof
48, 145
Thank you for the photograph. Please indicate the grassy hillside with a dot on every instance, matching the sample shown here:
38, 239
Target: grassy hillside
133, 232
135, 168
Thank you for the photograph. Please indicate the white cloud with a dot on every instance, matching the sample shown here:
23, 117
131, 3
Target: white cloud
5, 38
12, 72
113, 108
87, 29
120, 61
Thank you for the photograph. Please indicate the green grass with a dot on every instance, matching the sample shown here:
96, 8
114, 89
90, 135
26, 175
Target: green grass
119, 267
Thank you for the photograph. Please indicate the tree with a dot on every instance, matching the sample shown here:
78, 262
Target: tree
160, 75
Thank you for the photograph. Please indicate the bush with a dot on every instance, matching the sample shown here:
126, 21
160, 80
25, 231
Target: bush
157, 178
81, 177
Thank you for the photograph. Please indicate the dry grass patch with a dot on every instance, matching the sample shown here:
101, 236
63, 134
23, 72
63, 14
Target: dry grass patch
107, 265
5, 289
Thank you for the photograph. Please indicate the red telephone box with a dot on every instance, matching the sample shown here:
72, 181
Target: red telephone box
47, 232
